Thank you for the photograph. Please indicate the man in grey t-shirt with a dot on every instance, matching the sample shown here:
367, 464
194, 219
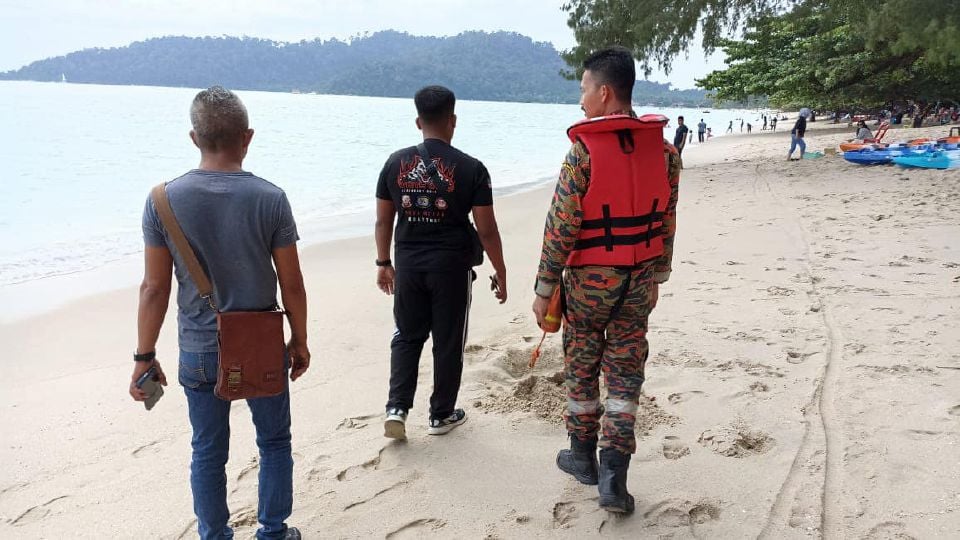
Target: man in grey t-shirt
242, 230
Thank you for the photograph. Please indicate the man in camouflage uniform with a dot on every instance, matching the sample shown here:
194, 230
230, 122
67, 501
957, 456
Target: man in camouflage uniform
606, 306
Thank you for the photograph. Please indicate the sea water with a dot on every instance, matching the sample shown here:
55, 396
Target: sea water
78, 161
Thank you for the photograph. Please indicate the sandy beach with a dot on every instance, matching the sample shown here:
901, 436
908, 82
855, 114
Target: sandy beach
804, 381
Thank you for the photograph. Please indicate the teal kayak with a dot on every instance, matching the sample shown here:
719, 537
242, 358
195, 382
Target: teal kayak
949, 159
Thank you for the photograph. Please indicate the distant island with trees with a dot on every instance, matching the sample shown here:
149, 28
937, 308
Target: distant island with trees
493, 66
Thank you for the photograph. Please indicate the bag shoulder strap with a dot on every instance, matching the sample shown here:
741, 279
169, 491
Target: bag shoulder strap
428, 163
169, 221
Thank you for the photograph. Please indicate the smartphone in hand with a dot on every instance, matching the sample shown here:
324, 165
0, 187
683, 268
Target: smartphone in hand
149, 382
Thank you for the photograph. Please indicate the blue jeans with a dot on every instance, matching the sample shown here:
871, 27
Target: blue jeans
210, 419
797, 141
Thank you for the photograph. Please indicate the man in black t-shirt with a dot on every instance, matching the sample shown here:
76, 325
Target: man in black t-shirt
433, 187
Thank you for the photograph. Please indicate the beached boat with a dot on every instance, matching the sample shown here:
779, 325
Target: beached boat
938, 159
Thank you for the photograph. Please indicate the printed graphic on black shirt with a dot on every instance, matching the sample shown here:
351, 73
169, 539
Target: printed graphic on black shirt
421, 199
432, 232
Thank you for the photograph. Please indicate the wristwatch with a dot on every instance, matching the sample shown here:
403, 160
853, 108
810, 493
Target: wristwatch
385, 262
145, 357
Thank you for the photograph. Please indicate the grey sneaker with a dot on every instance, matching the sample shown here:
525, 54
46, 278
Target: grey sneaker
293, 533
439, 426
395, 426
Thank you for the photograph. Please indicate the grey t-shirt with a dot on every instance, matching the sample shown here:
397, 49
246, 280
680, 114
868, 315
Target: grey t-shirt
233, 221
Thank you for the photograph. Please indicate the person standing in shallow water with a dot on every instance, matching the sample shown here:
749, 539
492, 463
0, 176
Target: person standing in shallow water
433, 187
609, 253
243, 231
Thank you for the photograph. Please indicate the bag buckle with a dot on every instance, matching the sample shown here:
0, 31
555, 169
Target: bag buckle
234, 379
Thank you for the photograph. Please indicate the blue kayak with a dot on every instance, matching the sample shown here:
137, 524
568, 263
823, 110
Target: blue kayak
872, 156
881, 156
940, 159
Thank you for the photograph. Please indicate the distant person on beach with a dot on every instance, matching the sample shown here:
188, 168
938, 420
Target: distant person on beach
773, 124
433, 187
863, 132
701, 130
797, 133
749, 127
741, 125
243, 231
709, 133
764, 128
609, 274
680, 138
730, 127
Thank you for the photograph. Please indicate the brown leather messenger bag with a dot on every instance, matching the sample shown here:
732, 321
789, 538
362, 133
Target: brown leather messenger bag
252, 348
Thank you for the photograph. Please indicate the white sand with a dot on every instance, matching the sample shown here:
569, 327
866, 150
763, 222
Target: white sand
804, 377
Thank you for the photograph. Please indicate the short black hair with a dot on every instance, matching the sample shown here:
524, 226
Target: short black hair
614, 67
679, 118
434, 103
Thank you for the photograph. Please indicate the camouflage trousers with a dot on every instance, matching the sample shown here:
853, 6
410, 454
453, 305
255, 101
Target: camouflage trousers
606, 330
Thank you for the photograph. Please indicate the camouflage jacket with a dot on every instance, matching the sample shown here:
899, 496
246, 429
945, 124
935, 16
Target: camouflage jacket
566, 212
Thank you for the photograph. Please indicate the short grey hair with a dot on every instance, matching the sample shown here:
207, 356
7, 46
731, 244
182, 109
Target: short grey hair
219, 118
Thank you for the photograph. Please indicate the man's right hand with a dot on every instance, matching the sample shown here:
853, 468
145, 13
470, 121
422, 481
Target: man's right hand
499, 286
540, 305
139, 369
385, 278
299, 358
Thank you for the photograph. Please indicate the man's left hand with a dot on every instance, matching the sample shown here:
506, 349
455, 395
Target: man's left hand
386, 276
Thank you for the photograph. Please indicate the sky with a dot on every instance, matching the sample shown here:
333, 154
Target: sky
36, 29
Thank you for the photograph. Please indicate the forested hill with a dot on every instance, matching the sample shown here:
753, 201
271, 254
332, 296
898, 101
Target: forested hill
497, 66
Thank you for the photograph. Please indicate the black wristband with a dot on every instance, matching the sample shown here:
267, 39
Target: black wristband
385, 262
145, 357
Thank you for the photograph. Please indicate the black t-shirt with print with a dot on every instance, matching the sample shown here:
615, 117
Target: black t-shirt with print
432, 227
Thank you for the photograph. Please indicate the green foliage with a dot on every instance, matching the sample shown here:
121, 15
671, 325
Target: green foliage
657, 31
818, 53
476, 65
819, 58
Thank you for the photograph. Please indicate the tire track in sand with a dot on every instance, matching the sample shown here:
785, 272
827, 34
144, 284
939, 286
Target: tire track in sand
822, 405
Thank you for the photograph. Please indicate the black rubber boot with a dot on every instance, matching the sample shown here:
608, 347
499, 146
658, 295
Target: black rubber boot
580, 460
613, 481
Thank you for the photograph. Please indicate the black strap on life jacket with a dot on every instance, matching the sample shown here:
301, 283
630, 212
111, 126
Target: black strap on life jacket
607, 223
626, 141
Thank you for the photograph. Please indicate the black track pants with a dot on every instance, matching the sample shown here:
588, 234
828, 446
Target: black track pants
437, 304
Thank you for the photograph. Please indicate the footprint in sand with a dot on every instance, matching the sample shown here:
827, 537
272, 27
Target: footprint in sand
244, 517
889, 530
954, 411
356, 470
564, 514
416, 528
356, 422
680, 397
679, 513
673, 448
737, 441
36, 513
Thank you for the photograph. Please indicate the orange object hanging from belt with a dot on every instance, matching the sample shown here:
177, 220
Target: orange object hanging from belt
551, 322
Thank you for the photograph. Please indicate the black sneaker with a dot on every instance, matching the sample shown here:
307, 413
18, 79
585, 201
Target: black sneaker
293, 533
439, 426
395, 425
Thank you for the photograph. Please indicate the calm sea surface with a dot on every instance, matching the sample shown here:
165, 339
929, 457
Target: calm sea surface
77, 162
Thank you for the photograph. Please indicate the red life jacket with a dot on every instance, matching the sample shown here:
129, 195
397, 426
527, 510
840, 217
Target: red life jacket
628, 194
